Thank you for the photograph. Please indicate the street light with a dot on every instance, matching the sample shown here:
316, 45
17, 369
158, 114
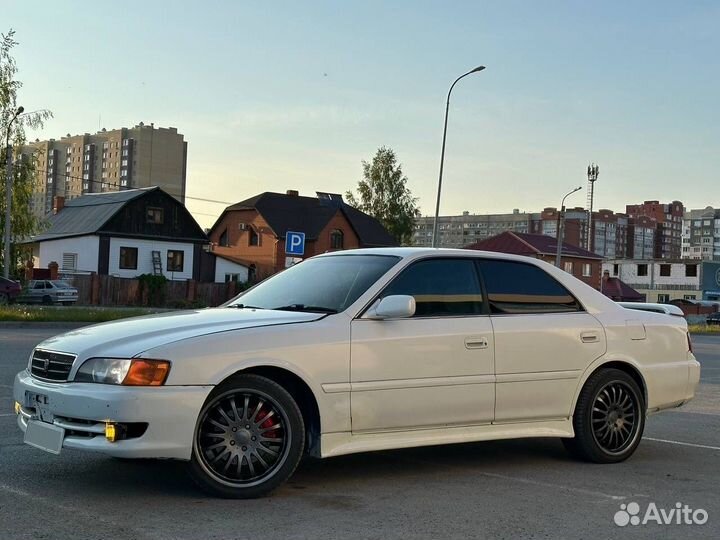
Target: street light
442, 153
8, 193
559, 232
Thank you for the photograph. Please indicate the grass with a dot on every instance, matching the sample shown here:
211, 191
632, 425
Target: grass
20, 313
704, 329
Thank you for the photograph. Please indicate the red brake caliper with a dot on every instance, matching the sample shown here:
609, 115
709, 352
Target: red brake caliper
267, 423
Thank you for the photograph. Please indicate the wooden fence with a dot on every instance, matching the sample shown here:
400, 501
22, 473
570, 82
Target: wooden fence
99, 290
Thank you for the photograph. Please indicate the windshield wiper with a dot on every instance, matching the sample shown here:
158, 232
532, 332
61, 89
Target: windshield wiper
243, 306
303, 307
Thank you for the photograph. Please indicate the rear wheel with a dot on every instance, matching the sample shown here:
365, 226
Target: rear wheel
4, 299
609, 418
249, 438
47, 300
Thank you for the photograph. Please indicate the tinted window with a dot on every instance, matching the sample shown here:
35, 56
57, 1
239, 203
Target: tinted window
524, 288
441, 287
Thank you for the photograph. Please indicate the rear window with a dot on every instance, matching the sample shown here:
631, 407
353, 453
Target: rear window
519, 288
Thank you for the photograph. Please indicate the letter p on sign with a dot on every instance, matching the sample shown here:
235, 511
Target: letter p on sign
295, 243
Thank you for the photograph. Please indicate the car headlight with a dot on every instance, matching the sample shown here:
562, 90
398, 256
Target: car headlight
130, 372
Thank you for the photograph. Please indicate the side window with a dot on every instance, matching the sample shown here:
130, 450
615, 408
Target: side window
441, 287
518, 288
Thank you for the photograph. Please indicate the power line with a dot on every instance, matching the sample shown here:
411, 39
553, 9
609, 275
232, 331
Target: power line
116, 185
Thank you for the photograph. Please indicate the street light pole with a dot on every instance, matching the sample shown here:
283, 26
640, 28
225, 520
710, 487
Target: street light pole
8, 194
559, 231
442, 153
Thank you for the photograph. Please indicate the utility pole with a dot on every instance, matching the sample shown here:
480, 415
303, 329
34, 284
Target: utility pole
592, 172
8, 194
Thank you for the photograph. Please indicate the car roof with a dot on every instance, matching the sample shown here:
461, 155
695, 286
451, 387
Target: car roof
417, 252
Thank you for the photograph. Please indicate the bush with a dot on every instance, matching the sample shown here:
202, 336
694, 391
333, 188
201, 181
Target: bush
153, 288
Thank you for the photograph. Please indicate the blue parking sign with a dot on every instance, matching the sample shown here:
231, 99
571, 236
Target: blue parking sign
294, 243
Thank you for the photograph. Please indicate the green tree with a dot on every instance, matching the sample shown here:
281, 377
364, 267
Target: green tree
23, 221
383, 194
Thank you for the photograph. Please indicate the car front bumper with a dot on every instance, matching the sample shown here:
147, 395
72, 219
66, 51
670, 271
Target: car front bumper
83, 409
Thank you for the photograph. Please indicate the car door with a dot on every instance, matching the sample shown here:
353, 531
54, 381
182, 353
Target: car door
544, 340
433, 369
38, 291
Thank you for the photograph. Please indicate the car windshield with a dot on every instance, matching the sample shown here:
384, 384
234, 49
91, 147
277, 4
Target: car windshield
325, 284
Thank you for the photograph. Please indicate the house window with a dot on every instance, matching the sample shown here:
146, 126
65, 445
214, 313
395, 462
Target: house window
691, 270
254, 238
175, 260
586, 270
232, 277
663, 298
336, 239
69, 261
616, 269
128, 258
223, 240
665, 270
155, 215
568, 267
642, 269
689, 297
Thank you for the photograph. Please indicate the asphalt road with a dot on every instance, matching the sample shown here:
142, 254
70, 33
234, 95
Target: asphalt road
505, 489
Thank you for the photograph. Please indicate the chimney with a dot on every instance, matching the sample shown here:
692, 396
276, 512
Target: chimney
58, 204
292, 192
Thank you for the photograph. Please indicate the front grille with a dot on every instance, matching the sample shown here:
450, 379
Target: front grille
51, 366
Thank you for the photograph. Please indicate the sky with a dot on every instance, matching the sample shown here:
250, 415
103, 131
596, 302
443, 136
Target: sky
289, 95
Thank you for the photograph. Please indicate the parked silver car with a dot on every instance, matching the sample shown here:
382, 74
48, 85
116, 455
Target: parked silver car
46, 291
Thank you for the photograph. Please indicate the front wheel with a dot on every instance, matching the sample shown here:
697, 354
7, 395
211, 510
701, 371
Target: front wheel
609, 418
249, 438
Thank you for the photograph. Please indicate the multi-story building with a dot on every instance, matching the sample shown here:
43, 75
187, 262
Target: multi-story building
574, 225
701, 234
665, 280
668, 218
459, 231
641, 237
610, 234
126, 158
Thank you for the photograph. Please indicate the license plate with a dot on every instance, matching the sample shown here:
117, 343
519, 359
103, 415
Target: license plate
44, 436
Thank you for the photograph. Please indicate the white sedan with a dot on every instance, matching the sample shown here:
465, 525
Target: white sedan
357, 351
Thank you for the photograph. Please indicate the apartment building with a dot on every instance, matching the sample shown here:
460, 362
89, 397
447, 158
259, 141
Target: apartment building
459, 231
669, 221
114, 160
701, 234
665, 280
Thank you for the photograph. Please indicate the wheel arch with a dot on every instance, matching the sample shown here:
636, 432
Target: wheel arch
301, 392
624, 364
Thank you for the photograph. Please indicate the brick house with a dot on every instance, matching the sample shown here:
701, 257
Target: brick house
254, 230
579, 262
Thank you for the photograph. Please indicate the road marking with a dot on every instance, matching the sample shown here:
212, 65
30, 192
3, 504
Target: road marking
8, 414
524, 480
557, 486
680, 443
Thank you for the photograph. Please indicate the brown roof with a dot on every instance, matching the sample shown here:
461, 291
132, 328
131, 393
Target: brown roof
530, 244
620, 291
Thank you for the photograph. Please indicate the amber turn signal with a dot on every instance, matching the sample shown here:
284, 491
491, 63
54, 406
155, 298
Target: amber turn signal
147, 372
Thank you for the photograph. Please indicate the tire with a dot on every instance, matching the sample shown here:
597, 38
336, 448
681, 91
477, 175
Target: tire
68, 303
609, 418
4, 299
47, 300
230, 459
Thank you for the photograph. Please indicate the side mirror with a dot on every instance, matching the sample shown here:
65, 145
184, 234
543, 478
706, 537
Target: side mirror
399, 306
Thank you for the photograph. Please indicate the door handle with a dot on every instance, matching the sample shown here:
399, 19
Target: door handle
476, 343
589, 337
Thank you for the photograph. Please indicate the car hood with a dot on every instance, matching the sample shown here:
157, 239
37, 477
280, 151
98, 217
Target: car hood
129, 337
